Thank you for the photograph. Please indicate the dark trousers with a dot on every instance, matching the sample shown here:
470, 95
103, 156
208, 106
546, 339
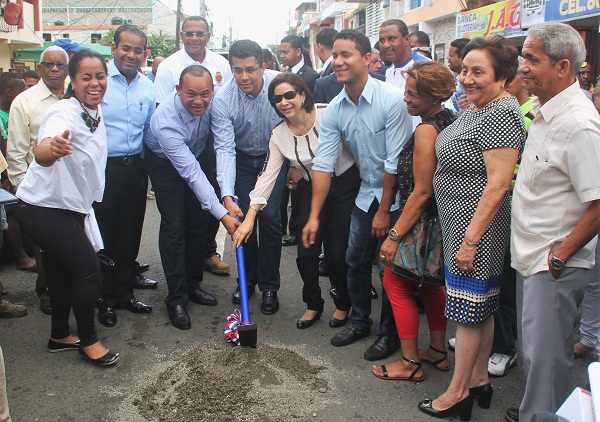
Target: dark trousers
209, 165
120, 217
71, 265
361, 250
262, 263
183, 222
333, 231
505, 318
294, 224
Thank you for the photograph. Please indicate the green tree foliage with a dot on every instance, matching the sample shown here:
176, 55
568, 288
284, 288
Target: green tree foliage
108, 37
160, 44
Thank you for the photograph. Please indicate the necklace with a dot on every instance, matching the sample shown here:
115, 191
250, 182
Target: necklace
301, 130
91, 122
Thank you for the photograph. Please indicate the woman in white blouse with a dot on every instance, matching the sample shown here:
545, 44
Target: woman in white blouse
55, 207
296, 139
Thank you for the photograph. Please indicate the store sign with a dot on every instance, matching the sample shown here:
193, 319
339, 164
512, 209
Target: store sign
502, 18
538, 11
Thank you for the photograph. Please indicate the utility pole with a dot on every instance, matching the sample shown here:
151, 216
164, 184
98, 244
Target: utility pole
177, 25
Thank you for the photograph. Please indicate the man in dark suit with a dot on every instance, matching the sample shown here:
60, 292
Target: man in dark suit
324, 49
290, 50
328, 87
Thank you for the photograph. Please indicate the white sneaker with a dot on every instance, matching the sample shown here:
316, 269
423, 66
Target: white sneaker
499, 364
452, 343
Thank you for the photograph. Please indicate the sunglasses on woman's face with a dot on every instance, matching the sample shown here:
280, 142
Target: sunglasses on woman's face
290, 95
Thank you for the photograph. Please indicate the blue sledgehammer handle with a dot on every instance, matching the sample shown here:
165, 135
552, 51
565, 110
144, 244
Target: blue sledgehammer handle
241, 264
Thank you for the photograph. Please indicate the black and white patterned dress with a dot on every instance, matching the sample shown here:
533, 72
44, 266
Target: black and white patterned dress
459, 181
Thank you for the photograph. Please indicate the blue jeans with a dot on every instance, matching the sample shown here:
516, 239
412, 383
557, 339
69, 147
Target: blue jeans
359, 256
262, 263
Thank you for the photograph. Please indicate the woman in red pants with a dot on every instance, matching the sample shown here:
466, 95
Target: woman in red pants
428, 86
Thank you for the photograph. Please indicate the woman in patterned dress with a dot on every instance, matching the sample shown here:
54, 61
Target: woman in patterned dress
476, 155
428, 85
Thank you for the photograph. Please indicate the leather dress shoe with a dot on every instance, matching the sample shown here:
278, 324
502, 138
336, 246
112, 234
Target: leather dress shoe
141, 268
270, 303
141, 282
512, 414
235, 297
135, 306
179, 317
289, 241
108, 359
46, 306
382, 348
306, 323
107, 317
201, 297
349, 335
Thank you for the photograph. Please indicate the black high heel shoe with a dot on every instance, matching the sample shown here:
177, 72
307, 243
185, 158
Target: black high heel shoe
483, 395
306, 323
465, 407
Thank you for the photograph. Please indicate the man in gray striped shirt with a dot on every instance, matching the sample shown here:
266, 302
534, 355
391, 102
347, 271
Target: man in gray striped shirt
242, 121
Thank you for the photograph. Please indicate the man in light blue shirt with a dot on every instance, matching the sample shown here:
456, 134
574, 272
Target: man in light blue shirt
177, 137
242, 121
126, 111
371, 117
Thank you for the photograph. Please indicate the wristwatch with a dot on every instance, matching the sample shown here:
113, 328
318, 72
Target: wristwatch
394, 235
556, 263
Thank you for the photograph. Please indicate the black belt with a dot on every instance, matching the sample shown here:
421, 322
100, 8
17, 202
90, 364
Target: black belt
125, 161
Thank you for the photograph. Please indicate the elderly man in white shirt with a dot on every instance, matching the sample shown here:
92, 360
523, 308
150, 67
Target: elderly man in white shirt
555, 215
26, 114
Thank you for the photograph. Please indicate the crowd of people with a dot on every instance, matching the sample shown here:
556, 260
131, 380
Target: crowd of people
389, 158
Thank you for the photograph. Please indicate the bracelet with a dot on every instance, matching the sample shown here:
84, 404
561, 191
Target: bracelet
472, 243
255, 210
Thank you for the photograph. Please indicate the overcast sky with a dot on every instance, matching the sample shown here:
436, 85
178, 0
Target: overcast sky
263, 21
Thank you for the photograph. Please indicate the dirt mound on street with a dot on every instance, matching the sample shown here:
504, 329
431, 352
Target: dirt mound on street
217, 382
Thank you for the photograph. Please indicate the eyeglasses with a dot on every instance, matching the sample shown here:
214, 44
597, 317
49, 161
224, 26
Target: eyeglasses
248, 70
50, 65
290, 95
127, 49
199, 34
374, 61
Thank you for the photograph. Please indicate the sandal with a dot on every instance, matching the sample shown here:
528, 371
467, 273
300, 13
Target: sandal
386, 377
437, 362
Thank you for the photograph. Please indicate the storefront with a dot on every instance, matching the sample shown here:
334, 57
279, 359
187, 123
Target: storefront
503, 18
583, 15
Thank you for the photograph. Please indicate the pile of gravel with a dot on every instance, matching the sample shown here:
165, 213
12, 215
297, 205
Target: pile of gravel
217, 382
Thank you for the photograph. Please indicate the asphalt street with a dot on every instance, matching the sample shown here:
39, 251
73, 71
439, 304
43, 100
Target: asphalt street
61, 387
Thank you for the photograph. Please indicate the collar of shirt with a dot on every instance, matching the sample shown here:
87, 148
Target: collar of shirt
556, 103
366, 94
327, 62
113, 71
297, 67
44, 90
188, 60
